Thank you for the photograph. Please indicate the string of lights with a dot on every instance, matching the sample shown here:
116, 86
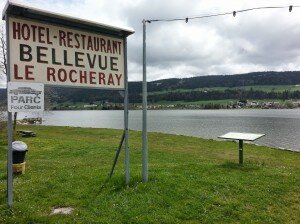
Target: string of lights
186, 19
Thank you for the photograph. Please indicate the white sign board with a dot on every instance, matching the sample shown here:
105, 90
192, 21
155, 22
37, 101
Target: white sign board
242, 136
25, 97
56, 55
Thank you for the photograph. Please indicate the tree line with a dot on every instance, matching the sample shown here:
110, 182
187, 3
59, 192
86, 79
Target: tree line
237, 94
169, 89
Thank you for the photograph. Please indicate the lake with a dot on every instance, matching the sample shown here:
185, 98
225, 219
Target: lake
282, 127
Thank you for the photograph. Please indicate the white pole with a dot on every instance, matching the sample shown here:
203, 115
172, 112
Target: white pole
127, 161
9, 127
145, 137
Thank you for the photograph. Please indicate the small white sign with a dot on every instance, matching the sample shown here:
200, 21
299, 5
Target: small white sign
25, 97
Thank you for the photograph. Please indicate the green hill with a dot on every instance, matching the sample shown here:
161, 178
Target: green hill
254, 86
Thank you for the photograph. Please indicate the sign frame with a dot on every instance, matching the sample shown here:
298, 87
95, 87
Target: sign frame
57, 54
13, 9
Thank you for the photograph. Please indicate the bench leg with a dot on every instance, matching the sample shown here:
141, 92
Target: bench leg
241, 151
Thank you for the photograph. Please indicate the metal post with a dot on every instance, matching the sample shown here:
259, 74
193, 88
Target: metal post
127, 161
145, 138
9, 128
9, 161
241, 151
117, 155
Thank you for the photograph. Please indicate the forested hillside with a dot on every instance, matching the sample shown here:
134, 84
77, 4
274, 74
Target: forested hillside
249, 79
199, 88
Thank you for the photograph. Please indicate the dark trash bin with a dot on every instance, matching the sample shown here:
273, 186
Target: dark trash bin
19, 151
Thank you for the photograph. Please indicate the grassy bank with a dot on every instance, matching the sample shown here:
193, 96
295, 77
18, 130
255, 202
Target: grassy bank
191, 180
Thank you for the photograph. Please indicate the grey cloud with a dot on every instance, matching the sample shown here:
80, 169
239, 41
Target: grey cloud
255, 42
274, 41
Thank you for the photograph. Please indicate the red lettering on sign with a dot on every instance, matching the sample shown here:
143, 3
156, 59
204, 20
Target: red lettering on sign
103, 45
50, 74
96, 44
69, 39
62, 75
71, 76
92, 78
119, 78
83, 41
108, 47
115, 46
119, 48
41, 35
90, 43
48, 36
25, 32
82, 76
16, 31
110, 80
28, 72
16, 73
62, 38
101, 78
77, 45
33, 32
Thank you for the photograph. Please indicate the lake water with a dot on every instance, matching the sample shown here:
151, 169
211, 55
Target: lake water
282, 127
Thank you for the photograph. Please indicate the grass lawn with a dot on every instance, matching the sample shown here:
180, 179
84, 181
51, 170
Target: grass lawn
191, 180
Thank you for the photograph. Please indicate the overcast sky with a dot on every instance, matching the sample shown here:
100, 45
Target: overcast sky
253, 41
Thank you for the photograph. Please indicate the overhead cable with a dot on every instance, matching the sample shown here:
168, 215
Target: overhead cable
234, 13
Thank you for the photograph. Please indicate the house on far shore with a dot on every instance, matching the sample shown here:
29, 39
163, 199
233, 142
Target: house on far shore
90, 106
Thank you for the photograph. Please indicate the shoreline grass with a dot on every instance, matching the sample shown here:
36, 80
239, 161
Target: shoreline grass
191, 180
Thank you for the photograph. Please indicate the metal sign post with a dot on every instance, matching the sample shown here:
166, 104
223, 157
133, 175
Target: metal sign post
127, 161
241, 137
145, 135
9, 129
240, 151
58, 50
9, 161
